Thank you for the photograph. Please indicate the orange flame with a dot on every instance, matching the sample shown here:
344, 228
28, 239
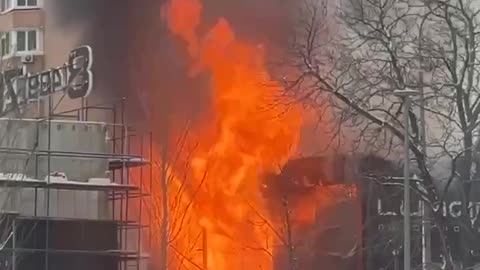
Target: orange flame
255, 129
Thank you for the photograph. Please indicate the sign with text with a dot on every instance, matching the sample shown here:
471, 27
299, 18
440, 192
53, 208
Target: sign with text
74, 78
383, 218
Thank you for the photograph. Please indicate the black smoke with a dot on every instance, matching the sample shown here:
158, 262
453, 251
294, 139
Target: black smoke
136, 57
107, 29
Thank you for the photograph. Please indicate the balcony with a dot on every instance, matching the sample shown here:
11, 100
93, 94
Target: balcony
22, 18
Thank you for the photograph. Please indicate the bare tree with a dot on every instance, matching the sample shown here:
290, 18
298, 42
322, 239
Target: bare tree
365, 50
187, 239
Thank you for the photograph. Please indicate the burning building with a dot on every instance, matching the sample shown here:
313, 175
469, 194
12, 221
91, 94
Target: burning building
347, 213
326, 202
226, 190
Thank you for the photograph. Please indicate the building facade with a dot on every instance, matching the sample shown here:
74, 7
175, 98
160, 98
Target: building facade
33, 37
65, 170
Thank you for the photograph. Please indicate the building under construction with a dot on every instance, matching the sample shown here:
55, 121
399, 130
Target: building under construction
71, 186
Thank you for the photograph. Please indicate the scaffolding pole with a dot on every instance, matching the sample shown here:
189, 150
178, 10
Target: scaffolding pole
123, 193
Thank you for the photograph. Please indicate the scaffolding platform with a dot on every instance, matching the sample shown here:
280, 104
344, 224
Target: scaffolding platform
65, 185
111, 159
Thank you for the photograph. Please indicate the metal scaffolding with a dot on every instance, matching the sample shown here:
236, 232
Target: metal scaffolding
131, 180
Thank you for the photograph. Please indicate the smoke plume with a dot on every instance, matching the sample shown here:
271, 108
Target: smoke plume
136, 57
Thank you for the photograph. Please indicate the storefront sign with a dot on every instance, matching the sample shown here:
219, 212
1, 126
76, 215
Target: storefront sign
74, 78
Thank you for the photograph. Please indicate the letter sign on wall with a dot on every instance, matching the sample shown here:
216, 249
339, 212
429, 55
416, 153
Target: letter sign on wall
75, 78
80, 79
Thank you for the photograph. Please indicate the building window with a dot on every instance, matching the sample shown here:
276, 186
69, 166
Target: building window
26, 3
27, 41
7, 5
21, 42
6, 43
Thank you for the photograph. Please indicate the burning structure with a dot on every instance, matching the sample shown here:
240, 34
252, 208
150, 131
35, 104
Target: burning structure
226, 190
209, 179
328, 204
211, 169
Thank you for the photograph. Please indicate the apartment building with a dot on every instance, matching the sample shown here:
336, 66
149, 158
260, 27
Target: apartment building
22, 24
33, 37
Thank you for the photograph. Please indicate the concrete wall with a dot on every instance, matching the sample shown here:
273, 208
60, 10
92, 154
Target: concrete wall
66, 136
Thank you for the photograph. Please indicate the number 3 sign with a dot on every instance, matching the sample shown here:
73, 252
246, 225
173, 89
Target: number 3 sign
74, 77
80, 77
